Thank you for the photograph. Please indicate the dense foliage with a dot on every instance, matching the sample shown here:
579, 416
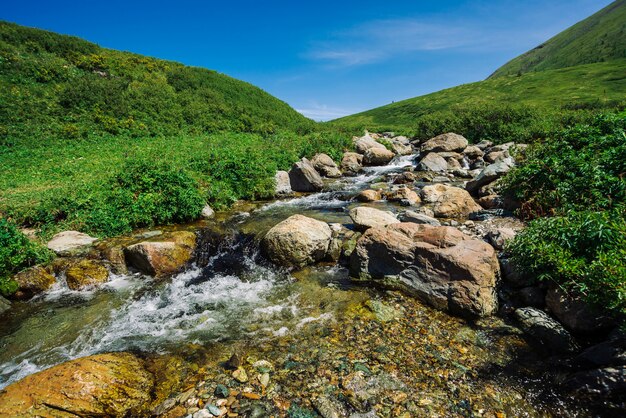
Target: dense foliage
16, 253
576, 182
56, 86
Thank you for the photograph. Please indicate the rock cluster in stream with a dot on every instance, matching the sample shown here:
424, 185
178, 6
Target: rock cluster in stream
444, 248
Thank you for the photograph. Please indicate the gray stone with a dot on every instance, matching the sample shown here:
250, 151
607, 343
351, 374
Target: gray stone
609, 382
351, 163
433, 162
366, 142
304, 177
325, 166
70, 243
418, 218
365, 217
490, 173
445, 142
5, 305
283, 184
208, 212
499, 237
377, 156
575, 314
546, 330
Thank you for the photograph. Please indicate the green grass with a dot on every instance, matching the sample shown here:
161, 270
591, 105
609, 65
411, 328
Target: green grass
599, 86
599, 38
56, 86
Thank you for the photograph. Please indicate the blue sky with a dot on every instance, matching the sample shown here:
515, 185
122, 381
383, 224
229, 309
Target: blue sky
325, 58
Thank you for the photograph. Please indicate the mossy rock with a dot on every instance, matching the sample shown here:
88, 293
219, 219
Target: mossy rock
85, 274
32, 281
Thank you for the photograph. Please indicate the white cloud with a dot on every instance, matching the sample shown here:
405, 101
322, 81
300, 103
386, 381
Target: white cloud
323, 113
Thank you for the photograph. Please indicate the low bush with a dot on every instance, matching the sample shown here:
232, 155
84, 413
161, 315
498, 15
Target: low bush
17, 252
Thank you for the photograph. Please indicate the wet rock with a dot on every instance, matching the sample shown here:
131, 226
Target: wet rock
484, 144
403, 194
449, 201
339, 235
31, 282
606, 353
115, 256
489, 174
297, 241
207, 212
364, 217
449, 142
325, 166
492, 201
433, 162
115, 384
532, 296
401, 146
546, 330
407, 177
68, 243
303, 177
329, 408
203, 413
418, 218
494, 156
86, 274
240, 375
606, 383
440, 265
499, 237
164, 257
369, 195
234, 362
575, 314
365, 143
283, 184
377, 156
5, 305
473, 152
351, 163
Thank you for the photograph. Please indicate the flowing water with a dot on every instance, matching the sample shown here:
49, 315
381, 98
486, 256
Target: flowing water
235, 295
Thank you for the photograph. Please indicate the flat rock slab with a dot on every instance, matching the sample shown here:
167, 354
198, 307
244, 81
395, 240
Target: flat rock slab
70, 242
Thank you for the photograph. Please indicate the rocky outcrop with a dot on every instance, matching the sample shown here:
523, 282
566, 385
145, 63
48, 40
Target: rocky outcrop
546, 330
401, 145
112, 385
365, 143
297, 241
68, 243
449, 142
303, 177
86, 274
31, 282
351, 163
162, 257
449, 201
365, 217
575, 314
439, 265
433, 162
489, 174
377, 156
325, 166
283, 185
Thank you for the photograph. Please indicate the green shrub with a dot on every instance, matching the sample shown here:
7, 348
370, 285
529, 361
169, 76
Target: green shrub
17, 252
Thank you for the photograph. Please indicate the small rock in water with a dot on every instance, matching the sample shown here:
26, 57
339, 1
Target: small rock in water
240, 375
234, 362
203, 413
264, 379
221, 391
263, 366
214, 410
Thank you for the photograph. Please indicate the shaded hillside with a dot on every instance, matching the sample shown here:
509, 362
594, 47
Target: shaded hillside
54, 85
600, 37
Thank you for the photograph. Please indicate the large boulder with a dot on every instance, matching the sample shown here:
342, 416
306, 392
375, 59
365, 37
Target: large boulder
449, 201
439, 265
162, 257
404, 195
577, 315
351, 163
325, 166
546, 330
401, 145
32, 281
365, 217
283, 184
449, 142
489, 174
70, 243
86, 274
304, 177
377, 156
369, 195
297, 241
111, 385
602, 384
473, 152
366, 142
433, 162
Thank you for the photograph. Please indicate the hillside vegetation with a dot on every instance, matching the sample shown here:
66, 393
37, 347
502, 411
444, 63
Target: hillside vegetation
60, 86
601, 37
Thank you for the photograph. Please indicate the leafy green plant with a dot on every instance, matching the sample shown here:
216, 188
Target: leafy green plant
17, 252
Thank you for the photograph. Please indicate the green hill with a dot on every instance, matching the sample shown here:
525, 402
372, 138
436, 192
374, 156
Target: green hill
576, 73
54, 85
601, 37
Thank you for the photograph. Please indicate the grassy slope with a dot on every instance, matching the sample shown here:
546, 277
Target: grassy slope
593, 83
600, 37
61, 86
